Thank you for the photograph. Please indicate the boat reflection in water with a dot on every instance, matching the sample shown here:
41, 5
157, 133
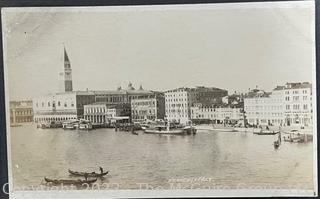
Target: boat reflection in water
69, 182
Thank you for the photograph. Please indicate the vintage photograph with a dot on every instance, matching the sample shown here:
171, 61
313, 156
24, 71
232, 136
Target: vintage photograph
206, 98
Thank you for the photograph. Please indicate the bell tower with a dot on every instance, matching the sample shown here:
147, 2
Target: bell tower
66, 74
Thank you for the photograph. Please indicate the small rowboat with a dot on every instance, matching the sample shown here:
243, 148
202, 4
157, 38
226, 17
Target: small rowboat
276, 144
93, 174
134, 133
70, 182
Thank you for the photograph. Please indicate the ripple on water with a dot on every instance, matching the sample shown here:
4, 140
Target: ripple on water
228, 158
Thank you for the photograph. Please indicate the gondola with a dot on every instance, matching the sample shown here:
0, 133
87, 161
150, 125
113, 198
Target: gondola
70, 182
266, 133
276, 144
93, 174
134, 133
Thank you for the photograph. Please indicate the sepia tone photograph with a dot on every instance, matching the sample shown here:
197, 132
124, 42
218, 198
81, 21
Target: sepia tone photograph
161, 101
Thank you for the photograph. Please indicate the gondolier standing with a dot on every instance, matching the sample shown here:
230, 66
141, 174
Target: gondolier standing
101, 169
86, 176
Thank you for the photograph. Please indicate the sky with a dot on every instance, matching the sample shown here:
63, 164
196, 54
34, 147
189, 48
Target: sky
234, 48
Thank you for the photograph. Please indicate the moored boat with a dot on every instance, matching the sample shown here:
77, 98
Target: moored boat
266, 132
170, 129
85, 125
70, 125
49, 125
134, 133
297, 136
15, 125
69, 182
88, 174
164, 130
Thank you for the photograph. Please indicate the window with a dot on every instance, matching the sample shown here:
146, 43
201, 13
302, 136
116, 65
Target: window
59, 103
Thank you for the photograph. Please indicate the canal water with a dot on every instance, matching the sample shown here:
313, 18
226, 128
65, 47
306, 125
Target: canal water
206, 160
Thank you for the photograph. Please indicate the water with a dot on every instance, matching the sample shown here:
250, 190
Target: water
225, 158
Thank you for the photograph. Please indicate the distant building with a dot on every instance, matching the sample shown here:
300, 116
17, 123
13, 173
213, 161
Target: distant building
148, 108
234, 100
21, 111
179, 101
120, 95
216, 115
209, 96
101, 112
61, 106
286, 105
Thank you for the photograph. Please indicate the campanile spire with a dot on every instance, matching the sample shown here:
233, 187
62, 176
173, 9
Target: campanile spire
66, 74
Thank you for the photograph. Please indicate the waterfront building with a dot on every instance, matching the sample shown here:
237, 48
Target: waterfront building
61, 106
120, 95
217, 114
101, 112
264, 109
298, 103
148, 108
286, 105
178, 102
21, 111
65, 75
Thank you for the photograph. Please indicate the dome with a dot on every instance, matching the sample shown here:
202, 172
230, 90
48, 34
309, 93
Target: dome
130, 87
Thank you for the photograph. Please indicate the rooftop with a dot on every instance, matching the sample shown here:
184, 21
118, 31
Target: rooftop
255, 93
108, 105
295, 85
197, 88
122, 92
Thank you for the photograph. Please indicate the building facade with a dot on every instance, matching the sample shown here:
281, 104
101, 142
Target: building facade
284, 106
298, 103
178, 102
264, 110
21, 111
101, 112
148, 108
120, 95
61, 106
217, 115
